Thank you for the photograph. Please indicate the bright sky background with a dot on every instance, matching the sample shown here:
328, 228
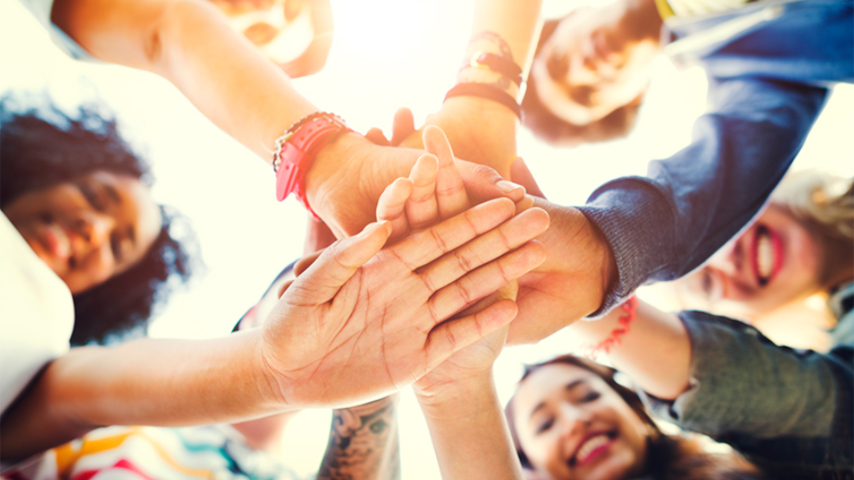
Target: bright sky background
386, 54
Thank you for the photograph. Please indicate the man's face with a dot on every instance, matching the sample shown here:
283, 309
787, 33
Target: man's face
596, 61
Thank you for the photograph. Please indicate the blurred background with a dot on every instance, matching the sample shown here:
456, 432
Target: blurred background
386, 54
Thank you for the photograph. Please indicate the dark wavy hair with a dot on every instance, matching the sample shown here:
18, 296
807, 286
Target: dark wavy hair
669, 457
42, 146
554, 130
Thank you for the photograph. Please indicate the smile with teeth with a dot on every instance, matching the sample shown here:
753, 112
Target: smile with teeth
766, 255
590, 448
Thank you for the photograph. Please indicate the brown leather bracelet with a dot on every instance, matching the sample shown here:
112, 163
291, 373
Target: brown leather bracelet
488, 92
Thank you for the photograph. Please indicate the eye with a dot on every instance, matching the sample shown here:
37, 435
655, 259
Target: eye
545, 426
590, 397
706, 282
91, 196
116, 246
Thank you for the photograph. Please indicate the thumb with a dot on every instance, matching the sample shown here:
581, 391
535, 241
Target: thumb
339, 263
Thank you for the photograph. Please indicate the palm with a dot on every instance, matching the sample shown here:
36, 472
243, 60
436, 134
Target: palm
371, 327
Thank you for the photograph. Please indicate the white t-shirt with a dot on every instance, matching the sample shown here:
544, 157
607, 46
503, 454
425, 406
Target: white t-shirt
36, 314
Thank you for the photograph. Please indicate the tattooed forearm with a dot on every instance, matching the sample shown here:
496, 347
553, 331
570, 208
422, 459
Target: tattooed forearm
486, 39
493, 43
363, 443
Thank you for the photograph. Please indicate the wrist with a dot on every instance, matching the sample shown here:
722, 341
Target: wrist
450, 398
271, 385
347, 178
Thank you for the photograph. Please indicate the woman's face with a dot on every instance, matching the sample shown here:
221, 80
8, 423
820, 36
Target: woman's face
88, 229
572, 425
594, 63
776, 261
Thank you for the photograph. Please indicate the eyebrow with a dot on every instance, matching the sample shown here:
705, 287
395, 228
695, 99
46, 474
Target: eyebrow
112, 192
569, 387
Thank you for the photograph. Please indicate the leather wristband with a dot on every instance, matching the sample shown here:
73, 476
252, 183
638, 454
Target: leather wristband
488, 92
496, 63
297, 149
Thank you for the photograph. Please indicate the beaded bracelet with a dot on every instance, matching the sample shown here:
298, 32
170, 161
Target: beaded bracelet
614, 339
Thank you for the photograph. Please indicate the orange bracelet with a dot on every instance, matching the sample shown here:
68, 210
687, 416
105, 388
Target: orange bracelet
614, 339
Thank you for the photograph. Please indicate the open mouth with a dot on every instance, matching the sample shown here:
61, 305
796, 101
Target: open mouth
54, 238
767, 255
591, 448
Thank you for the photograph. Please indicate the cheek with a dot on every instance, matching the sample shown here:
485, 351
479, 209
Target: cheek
93, 271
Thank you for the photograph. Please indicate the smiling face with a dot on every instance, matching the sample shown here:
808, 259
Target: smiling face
88, 229
572, 425
596, 61
775, 262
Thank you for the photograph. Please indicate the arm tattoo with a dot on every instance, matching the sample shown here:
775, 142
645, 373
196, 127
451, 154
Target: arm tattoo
363, 444
493, 39
489, 41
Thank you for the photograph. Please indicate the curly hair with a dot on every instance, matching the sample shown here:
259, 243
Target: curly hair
669, 457
43, 146
554, 130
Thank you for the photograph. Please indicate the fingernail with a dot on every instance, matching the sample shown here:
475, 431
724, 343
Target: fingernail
385, 224
508, 187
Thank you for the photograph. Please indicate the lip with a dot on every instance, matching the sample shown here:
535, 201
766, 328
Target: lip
56, 239
776, 245
596, 452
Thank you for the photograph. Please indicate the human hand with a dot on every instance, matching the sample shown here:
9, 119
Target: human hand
434, 190
479, 130
571, 284
362, 322
348, 176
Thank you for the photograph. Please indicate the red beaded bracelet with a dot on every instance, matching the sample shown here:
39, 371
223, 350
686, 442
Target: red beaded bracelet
614, 339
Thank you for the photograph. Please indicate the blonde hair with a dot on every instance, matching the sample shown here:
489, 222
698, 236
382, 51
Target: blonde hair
820, 198
824, 203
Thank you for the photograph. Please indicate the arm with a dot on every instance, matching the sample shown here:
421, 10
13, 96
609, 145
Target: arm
722, 378
480, 130
189, 43
317, 347
636, 230
363, 443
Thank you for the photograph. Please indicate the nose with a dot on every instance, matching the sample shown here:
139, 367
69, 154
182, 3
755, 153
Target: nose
94, 228
574, 420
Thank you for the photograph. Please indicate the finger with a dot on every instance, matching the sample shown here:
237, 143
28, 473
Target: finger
318, 236
421, 208
450, 191
484, 183
485, 248
392, 207
425, 246
525, 204
377, 137
520, 174
305, 262
485, 280
337, 264
450, 337
284, 288
403, 126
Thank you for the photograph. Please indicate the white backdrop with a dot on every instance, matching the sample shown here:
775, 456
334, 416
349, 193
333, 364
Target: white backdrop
386, 54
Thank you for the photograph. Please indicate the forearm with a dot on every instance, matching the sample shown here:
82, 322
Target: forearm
508, 28
469, 432
655, 351
189, 43
145, 382
363, 443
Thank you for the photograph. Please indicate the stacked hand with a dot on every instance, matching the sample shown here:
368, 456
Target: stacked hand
363, 320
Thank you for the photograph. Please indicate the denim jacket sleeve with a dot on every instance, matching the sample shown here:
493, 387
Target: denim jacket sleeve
788, 411
662, 226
